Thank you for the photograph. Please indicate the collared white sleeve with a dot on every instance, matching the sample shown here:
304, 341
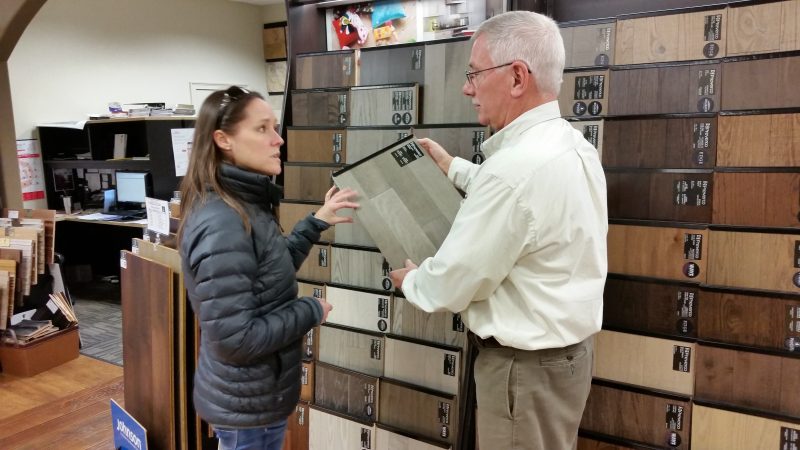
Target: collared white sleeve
487, 238
462, 172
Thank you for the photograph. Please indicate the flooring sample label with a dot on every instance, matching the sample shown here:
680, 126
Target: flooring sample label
681, 358
407, 203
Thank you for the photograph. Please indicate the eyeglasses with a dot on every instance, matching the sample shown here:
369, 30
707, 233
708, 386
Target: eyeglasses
471, 74
232, 95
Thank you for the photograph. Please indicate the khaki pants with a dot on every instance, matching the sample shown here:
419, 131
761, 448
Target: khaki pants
532, 399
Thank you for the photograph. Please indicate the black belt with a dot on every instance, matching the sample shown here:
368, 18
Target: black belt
479, 342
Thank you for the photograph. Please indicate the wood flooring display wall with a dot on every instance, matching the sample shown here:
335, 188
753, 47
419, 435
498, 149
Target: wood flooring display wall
699, 127
337, 120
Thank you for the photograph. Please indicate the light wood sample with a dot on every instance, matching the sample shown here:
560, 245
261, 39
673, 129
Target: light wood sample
384, 105
360, 309
355, 350
764, 28
444, 102
326, 428
388, 440
360, 267
317, 267
737, 431
434, 367
765, 140
292, 212
440, 327
323, 145
589, 45
754, 260
682, 252
307, 181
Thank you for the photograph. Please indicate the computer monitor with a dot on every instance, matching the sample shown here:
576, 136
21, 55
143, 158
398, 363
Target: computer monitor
132, 188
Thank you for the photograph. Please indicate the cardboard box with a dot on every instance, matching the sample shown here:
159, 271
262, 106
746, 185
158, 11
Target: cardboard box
44, 354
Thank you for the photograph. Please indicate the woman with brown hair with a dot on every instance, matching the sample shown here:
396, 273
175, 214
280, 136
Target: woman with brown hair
240, 272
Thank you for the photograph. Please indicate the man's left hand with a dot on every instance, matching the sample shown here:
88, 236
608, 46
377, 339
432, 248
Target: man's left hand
399, 275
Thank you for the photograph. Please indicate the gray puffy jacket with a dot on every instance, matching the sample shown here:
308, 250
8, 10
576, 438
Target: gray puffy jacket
243, 290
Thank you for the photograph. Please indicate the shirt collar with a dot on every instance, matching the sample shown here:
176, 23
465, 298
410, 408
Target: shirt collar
526, 121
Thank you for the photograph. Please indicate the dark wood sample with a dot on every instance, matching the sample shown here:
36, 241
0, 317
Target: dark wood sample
585, 94
760, 84
638, 416
328, 429
659, 143
323, 145
392, 64
354, 349
763, 28
758, 381
326, 70
683, 197
293, 212
766, 140
672, 37
320, 107
765, 199
307, 381
764, 261
308, 182
317, 267
682, 252
585, 443
589, 45
426, 413
444, 101
652, 307
296, 437
360, 267
757, 320
690, 88
738, 431
396, 104
347, 392
147, 333
650, 362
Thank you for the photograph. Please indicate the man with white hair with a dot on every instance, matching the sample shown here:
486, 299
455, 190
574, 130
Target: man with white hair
525, 261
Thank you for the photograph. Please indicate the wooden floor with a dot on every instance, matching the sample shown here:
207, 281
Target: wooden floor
66, 407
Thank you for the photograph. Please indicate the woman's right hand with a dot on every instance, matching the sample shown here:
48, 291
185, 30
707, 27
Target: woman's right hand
335, 200
326, 308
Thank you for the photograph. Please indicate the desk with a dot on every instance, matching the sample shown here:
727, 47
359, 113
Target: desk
93, 243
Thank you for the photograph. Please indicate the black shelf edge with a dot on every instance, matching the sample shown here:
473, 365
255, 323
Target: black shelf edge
269, 60
339, 326
754, 229
616, 440
775, 169
642, 390
650, 334
276, 24
751, 292
687, 171
748, 348
659, 223
758, 112
686, 284
361, 289
658, 65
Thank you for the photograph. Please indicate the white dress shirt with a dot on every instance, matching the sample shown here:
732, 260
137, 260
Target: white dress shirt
525, 261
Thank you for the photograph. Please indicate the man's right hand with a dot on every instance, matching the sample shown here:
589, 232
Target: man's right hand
326, 308
437, 153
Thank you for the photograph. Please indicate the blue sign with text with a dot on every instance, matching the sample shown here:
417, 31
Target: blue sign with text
128, 433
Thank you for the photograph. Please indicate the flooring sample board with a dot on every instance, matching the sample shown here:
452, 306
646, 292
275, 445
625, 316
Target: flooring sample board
661, 308
307, 381
323, 145
327, 428
347, 392
585, 94
352, 233
30, 216
274, 42
365, 310
147, 325
354, 349
757, 199
296, 437
686, 88
461, 141
430, 414
658, 143
682, 252
585, 443
310, 289
276, 76
764, 28
645, 361
407, 203
307, 181
364, 141
763, 261
291, 212
754, 320
740, 378
27, 248
392, 64
682, 197
589, 45
394, 104
637, 415
360, 267
434, 367
765, 140
317, 267
321, 107
444, 102
674, 37
760, 84
592, 131
326, 69
386, 439
443, 328
311, 344
738, 431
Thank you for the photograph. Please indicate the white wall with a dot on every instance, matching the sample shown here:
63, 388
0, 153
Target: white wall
274, 13
76, 56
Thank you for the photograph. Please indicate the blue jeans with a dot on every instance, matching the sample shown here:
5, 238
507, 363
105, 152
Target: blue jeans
264, 438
